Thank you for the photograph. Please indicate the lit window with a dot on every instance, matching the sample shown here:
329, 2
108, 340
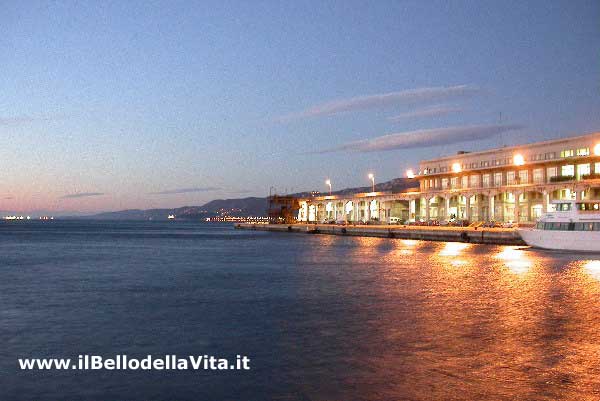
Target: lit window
538, 175
567, 153
510, 178
568, 170
583, 152
583, 169
486, 180
523, 177
497, 179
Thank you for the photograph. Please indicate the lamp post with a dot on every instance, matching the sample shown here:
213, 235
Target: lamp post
328, 182
372, 178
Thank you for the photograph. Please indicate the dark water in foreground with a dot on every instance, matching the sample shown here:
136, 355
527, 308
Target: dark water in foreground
321, 317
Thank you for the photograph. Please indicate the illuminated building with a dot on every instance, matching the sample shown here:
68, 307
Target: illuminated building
515, 183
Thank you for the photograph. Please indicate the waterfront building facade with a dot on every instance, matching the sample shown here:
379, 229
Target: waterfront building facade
508, 184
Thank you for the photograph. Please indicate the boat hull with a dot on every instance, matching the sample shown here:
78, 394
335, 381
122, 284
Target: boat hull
584, 241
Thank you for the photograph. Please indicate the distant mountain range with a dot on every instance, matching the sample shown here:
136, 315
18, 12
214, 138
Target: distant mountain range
242, 207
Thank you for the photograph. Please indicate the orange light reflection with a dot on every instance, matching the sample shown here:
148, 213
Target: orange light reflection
515, 259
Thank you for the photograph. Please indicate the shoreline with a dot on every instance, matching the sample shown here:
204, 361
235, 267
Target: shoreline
492, 236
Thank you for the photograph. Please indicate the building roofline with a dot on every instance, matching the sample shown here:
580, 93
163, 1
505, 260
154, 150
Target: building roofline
513, 147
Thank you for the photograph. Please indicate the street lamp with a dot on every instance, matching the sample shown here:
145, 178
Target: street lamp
328, 182
410, 173
372, 178
519, 160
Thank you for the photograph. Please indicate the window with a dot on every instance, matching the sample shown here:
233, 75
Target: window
465, 181
454, 182
584, 226
497, 179
474, 181
588, 206
552, 172
550, 155
523, 177
485, 164
486, 180
582, 169
567, 153
563, 207
444, 183
583, 152
568, 170
538, 176
510, 178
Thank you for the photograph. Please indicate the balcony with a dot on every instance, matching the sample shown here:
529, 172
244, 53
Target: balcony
592, 176
562, 178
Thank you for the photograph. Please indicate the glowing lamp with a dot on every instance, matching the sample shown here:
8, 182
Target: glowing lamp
456, 168
597, 149
371, 176
410, 173
518, 160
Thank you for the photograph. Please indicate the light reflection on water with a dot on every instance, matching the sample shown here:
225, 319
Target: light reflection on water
592, 267
515, 259
456, 320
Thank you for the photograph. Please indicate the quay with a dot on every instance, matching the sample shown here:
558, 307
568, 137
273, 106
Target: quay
496, 236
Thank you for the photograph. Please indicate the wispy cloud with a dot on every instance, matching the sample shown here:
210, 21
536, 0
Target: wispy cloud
411, 96
82, 195
184, 190
241, 191
18, 120
433, 111
424, 138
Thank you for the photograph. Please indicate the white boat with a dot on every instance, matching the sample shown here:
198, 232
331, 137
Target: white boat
572, 226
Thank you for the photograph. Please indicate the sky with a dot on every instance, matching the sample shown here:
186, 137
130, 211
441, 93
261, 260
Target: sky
121, 104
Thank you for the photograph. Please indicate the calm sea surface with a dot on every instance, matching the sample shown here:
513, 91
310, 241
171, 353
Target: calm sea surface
321, 317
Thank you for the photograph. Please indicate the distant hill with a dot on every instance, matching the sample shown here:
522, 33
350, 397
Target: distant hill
251, 206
